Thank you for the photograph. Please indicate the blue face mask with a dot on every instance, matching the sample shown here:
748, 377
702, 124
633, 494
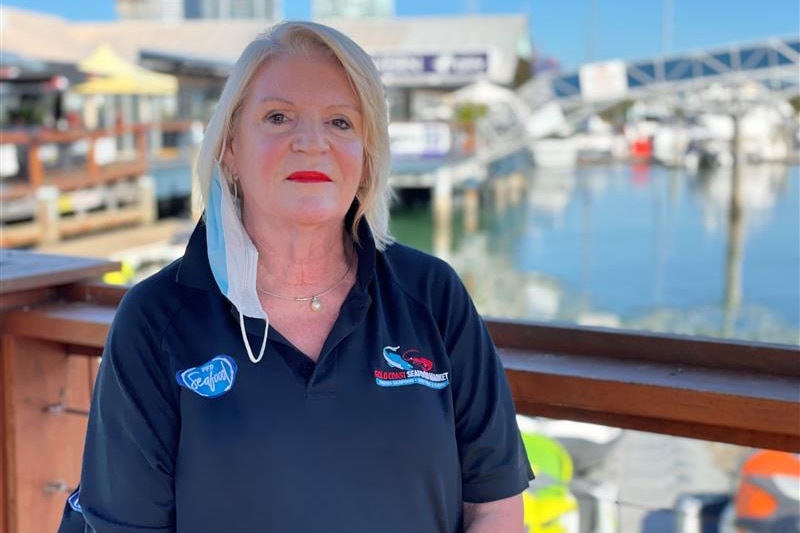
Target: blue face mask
233, 257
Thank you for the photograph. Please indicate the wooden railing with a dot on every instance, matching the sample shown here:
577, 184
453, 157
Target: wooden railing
72, 169
724, 391
80, 158
54, 319
75, 181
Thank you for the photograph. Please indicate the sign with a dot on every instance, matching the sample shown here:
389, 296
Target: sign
444, 64
420, 139
603, 81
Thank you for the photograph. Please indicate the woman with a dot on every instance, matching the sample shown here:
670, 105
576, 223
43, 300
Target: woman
296, 371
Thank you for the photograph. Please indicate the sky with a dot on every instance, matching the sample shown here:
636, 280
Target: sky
572, 31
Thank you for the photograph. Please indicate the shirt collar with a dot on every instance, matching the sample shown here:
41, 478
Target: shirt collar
195, 271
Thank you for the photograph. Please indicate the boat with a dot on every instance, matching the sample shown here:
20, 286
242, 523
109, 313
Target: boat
554, 152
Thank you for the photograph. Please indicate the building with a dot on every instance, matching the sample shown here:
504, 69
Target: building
321, 9
150, 9
171, 10
232, 9
422, 59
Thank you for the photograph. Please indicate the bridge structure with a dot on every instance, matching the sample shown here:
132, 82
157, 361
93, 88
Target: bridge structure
770, 67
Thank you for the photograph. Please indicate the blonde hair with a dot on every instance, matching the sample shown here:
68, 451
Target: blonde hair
309, 38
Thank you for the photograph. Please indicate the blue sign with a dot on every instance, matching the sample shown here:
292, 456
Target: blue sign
443, 64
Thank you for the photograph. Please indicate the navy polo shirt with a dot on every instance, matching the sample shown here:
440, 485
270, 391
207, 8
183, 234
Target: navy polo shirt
405, 415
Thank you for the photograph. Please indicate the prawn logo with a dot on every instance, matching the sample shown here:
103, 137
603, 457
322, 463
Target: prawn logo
211, 379
409, 368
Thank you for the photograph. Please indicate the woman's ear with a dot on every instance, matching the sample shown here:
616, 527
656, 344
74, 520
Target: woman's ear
228, 159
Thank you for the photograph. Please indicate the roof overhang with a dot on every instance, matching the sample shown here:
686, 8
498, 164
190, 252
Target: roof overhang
184, 65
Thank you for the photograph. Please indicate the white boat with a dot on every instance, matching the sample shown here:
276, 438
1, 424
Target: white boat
554, 152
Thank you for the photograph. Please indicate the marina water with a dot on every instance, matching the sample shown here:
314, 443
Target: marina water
640, 247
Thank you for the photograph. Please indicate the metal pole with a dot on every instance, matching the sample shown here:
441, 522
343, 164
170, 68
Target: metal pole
733, 257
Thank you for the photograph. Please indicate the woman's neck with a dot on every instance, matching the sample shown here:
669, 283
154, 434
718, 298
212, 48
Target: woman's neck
294, 261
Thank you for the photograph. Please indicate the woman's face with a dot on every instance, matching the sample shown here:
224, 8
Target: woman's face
298, 148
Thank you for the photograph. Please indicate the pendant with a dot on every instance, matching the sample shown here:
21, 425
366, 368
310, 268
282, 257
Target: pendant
316, 305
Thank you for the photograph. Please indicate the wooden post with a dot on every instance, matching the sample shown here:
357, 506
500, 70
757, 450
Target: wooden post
141, 143
44, 381
146, 189
472, 206
735, 245
443, 196
516, 183
91, 163
47, 214
500, 189
35, 171
44, 447
442, 213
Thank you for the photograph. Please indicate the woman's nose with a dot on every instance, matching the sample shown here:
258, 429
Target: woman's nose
310, 137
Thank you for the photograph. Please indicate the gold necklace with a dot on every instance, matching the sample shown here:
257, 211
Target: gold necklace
316, 304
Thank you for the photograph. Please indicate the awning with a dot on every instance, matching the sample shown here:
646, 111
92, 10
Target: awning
111, 74
503, 102
483, 92
185, 64
17, 69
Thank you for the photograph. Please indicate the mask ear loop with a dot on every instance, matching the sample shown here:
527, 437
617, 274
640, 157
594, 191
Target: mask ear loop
247, 342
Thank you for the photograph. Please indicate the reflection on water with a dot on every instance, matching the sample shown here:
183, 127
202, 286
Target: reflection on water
636, 247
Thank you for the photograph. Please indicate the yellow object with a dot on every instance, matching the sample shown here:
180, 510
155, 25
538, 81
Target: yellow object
552, 510
550, 506
123, 276
65, 204
115, 75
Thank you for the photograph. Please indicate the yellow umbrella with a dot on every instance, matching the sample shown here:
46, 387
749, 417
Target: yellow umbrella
114, 75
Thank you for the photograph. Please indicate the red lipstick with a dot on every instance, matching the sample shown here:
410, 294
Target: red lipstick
309, 176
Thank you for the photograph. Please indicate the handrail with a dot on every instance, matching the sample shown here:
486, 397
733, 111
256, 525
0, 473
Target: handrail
648, 347
86, 170
42, 135
722, 390
54, 324
712, 389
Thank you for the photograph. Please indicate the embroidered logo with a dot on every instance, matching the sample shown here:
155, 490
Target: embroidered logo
74, 501
211, 379
412, 368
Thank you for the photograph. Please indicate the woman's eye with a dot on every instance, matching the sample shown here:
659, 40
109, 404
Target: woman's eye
276, 118
341, 123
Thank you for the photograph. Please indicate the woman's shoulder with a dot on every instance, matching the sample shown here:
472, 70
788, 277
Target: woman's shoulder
422, 275
414, 262
160, 282
154, 297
